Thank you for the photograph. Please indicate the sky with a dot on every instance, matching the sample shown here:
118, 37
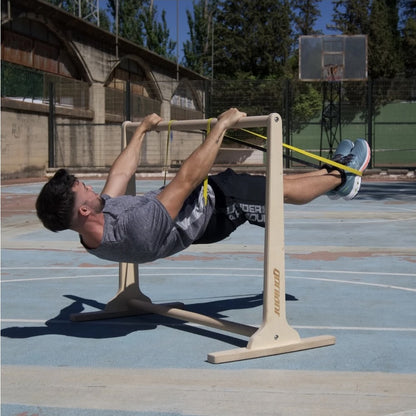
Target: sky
171, 7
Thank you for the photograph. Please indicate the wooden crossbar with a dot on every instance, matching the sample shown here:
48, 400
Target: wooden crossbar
274, 335
196, 318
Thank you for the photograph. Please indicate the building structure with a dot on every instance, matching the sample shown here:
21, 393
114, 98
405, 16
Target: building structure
67, 85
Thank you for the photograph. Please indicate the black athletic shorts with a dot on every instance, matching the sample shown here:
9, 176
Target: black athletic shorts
238, 198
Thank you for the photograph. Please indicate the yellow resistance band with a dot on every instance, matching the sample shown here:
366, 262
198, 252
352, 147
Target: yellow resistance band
205, 190
304, 152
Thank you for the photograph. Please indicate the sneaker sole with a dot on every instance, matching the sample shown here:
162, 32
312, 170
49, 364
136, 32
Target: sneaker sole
367, 160
354, 191
357, 180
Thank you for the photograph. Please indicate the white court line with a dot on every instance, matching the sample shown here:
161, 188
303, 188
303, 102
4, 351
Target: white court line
355, 328
121, 323
35, 279
381, 285
350, 272
350, 282
85, 268
60, 268
116, 267
348, 221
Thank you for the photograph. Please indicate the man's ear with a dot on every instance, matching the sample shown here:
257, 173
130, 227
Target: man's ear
84, 210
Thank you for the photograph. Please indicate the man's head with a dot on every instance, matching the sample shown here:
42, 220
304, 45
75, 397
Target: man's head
55, 203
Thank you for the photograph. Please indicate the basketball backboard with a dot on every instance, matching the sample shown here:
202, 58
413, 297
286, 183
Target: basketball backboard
333, 58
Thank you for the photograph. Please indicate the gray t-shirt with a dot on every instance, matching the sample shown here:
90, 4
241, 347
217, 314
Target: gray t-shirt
138, 229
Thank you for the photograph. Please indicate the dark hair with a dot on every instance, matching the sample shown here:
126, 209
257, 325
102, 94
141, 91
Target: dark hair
55, 203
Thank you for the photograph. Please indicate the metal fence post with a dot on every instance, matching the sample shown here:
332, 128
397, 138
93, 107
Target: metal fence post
128, 102
370, 117
51, 126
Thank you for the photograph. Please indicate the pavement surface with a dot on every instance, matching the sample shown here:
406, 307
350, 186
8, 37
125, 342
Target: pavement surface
350, 272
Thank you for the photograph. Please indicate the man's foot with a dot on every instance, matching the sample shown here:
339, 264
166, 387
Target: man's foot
358, 159
344, 149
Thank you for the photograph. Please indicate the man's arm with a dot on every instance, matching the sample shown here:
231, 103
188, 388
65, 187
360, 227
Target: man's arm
196, 168
124, 167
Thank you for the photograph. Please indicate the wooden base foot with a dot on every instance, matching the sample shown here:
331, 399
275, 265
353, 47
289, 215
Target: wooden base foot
248, 353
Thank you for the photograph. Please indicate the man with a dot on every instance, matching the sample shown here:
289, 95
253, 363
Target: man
139, 229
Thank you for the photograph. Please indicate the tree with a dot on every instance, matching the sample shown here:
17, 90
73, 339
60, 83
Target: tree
252, 38
104, 21
352, 17
157, 34
409, 38
87, 11
198, 49
138, 23
130, 21
306, 16
384, 57
379, 20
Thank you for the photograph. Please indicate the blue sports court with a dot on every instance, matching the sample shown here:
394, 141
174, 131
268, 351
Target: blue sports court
350, 273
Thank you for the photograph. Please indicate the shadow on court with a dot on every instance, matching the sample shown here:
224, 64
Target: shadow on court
113, 328
405, 191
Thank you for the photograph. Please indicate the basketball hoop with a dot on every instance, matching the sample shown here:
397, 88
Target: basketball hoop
332, 73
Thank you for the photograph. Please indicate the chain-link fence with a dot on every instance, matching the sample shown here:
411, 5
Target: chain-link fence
316, 116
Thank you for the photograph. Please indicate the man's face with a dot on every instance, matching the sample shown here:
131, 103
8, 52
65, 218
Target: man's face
84, 195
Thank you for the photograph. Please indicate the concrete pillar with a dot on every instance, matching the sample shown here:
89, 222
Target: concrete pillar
165, 110
97, 104
165, 114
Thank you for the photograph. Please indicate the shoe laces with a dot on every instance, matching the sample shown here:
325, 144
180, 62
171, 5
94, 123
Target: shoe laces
344, 160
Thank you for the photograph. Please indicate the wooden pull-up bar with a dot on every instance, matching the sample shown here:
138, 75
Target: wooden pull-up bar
274, 335
201, 124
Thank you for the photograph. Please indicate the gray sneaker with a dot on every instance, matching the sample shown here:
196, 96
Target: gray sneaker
344, 149
358, 159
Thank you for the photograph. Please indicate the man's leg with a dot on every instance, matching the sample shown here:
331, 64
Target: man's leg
303, 188
238, 198
241, 197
